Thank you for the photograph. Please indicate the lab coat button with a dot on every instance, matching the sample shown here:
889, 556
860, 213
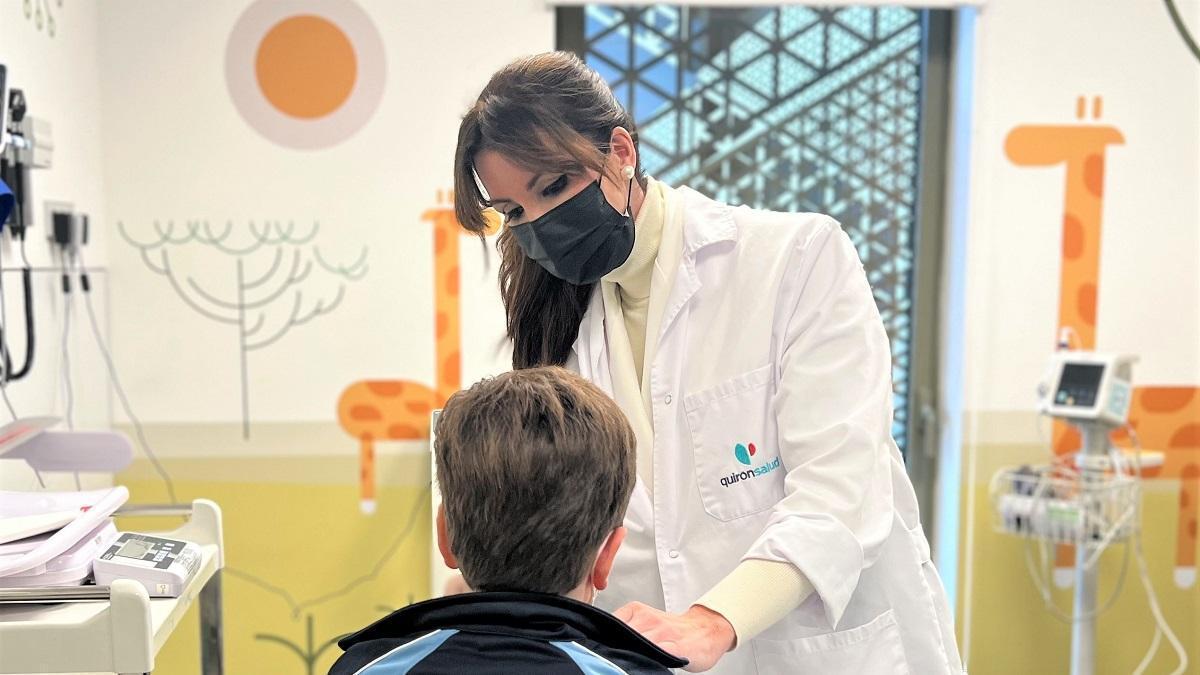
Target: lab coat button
668, 399
674, 554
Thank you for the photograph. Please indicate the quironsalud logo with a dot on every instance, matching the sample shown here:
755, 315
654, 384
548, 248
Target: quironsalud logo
744, 452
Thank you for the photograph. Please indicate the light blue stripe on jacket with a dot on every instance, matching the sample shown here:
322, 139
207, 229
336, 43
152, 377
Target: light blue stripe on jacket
402, 659
589, 661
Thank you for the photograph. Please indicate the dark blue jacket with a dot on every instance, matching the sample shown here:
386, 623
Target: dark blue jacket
500, 633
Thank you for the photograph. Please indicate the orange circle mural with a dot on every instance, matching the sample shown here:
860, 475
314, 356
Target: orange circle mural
305, 74
306, 67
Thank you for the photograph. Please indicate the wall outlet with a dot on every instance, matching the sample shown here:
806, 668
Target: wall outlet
65, 227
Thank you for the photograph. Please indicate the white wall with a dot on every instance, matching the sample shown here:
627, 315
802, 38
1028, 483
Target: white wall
166, 62
60, 76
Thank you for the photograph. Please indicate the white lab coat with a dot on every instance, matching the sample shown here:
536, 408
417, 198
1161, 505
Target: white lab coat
770, 336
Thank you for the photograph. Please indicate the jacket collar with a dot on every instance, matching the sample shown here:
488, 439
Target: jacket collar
705, 222
534, 615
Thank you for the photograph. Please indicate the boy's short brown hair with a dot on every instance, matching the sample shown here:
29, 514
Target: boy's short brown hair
536, 467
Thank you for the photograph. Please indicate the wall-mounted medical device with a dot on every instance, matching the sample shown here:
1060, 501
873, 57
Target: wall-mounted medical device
3, 107
26, 143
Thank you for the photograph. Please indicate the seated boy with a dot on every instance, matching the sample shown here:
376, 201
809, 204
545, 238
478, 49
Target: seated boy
536, 468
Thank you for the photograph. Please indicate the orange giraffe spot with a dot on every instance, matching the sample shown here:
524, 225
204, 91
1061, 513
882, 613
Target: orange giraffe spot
404, 431
451, 280
452, 367
1093, 174
1184, 500
440, 239
443, 324
365, 413
386, 388
366, 473
1187, 437
420, 407
1166, 399
1086, 296
1072, 237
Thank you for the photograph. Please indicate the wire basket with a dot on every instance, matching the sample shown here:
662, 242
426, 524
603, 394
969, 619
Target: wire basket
1060, 504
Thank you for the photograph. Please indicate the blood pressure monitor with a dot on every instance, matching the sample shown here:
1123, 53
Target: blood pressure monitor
1087, 386
162, 566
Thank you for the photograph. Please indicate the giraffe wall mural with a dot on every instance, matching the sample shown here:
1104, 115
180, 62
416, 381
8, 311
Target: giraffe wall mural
397, 409
1165, 418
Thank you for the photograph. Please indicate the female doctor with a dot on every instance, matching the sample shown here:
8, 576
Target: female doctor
773, 528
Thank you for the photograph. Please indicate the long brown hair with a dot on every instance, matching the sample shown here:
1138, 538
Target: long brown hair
548, 112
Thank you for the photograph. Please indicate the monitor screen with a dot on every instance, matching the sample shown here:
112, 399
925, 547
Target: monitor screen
134, 548
1079, 385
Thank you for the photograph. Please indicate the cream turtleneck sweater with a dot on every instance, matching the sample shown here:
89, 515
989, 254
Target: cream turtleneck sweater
757, 593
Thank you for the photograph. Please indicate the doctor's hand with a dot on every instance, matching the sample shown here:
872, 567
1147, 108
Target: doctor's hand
699, 635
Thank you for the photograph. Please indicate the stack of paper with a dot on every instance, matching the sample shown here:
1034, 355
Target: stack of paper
51, 538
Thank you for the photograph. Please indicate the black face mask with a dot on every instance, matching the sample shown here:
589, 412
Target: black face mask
580, 240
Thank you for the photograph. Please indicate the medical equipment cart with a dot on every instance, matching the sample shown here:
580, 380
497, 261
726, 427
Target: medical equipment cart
117, 629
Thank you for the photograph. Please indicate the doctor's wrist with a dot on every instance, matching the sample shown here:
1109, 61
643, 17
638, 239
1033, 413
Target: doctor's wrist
718, 630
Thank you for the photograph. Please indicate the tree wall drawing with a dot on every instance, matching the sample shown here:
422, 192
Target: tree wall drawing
269, 273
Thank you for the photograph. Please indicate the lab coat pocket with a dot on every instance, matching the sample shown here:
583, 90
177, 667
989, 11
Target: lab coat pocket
739, 471
874, 648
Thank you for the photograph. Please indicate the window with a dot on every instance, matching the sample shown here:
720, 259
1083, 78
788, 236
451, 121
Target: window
791, 109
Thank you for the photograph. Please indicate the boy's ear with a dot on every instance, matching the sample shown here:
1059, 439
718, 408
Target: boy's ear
443, 540
604, 561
